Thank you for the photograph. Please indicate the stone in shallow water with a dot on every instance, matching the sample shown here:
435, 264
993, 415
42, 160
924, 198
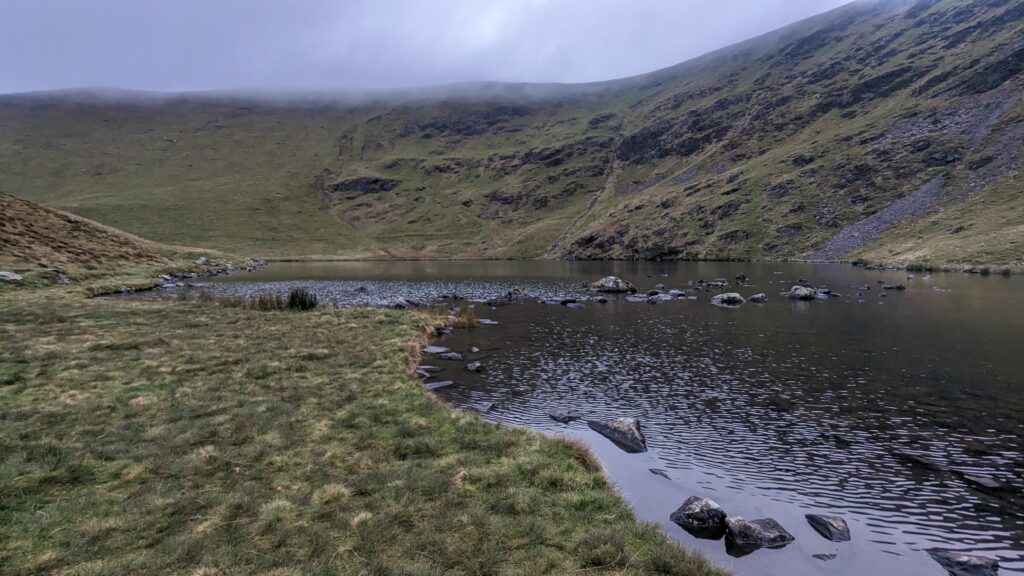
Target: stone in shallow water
729, 299
660, 472
824, 557
612, 284
482, 407
476, 366
623, 432
564, 416
451, 356
701, 517
758, 298
486, 322
746, 536
428, 368
801, 293
434, 349
961, 564
832, 527
438, 385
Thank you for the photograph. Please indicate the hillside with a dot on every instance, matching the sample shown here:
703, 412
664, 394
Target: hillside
33, 237
884, 130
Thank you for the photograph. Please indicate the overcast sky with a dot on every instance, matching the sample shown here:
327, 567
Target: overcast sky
173, 45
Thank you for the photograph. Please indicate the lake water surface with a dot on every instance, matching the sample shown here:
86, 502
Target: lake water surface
879, 409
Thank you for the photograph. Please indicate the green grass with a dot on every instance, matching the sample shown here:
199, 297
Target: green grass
188, 438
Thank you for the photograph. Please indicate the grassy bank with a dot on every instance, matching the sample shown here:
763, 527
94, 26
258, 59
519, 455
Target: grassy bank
187, 438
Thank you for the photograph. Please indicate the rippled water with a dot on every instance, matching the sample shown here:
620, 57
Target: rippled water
869, 407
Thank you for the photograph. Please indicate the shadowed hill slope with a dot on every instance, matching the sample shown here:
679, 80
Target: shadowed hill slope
886, 130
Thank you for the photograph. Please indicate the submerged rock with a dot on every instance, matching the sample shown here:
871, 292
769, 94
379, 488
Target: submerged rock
482, 407
960, 564
486, 322
475, 366
564, 416
897, 287
801, 293
434, 350
428, 368
833, 528
824, 557
758, 298
659, 472
438, 385
745, 536
701, 517
623, 432
450, 356
612, 284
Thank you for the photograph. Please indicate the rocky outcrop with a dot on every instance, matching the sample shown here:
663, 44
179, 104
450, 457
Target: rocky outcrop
613, 284
623, 432
833, 528
701, 517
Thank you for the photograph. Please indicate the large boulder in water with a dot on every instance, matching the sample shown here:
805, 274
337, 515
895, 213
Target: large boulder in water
729, 299
745, 536
960, 564
623, 432
801, 293
832, 527
612, 284
701, 517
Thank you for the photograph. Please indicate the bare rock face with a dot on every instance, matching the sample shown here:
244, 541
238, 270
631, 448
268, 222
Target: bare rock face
960, 564
832, 527
613, 284
623, 432
701, 517
746, 536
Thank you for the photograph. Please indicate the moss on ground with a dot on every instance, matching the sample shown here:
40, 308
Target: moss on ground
187, 438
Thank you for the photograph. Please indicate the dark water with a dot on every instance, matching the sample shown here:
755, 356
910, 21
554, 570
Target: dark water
868, 407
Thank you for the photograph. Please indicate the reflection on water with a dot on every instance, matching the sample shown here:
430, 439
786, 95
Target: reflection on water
902, 413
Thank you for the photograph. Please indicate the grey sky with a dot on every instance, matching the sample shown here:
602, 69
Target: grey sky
172, 45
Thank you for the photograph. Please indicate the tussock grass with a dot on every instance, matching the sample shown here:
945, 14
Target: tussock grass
183, 438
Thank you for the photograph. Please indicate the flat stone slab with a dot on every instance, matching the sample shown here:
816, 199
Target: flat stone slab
833, 528
438, 385
434, 350
623, 432
961, 564
451, 356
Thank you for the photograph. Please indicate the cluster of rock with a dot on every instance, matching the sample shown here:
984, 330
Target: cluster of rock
426, 371
704, 518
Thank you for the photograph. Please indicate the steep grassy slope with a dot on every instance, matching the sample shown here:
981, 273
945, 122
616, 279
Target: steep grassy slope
795, 144
34, 236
